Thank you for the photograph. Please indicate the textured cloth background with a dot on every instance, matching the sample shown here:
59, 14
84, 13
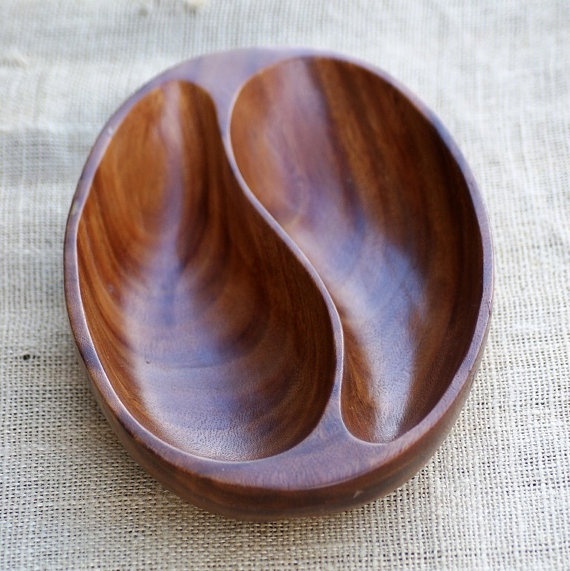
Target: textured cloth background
497, 493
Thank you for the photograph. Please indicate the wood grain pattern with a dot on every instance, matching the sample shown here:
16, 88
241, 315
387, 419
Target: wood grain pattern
278, 272
362, 183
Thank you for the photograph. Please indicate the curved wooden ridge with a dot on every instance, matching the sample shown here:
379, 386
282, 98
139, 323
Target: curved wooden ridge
278, 272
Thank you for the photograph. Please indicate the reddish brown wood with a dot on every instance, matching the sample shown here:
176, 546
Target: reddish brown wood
278, 272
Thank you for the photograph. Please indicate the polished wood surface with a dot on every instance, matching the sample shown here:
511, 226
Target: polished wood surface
278, 272
215, 334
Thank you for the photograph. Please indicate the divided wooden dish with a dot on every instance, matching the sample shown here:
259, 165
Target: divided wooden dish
278, 272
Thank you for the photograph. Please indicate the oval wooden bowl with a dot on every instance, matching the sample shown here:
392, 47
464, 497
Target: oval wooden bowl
278, 272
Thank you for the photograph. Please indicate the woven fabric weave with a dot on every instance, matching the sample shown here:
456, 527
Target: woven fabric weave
496, 495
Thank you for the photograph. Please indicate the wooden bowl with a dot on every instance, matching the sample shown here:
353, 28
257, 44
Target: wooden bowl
278, 272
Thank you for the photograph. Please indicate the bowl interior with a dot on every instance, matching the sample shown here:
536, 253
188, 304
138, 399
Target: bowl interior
368, 189
209, 330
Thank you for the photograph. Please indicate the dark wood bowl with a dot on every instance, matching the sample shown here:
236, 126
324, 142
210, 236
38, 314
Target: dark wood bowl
278, 272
